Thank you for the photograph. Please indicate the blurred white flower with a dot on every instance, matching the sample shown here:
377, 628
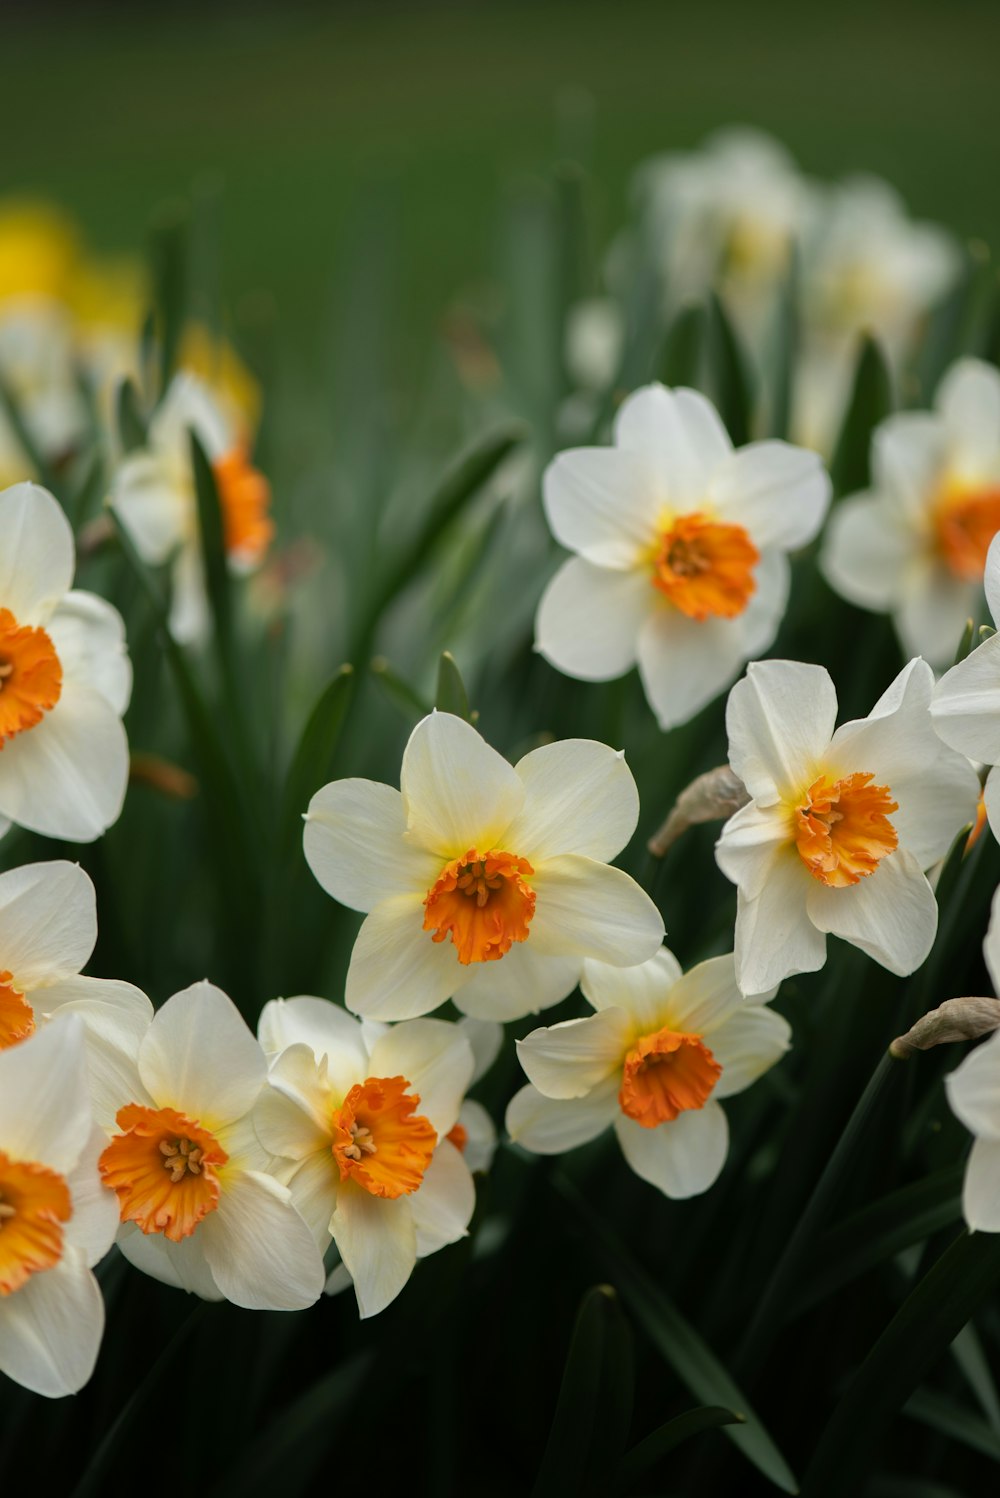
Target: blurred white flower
916, 545
842, 823
680, 543
654, 1061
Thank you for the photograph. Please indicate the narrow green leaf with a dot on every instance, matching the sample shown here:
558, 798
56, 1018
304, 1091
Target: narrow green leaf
965, 643
683, 347
168, 253
967, 1350
88, 494
566, 1469
312, 762
680, 1345
131, 422
399, 692
11, 408
451, 695
729, 375
670, 1435
953, 1420
213, 543
870, 403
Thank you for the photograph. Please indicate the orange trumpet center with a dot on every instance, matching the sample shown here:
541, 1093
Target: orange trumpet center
379, 1139
965, 522
482, 901
34, 1203
705, 568
844, 830
30, 676
17, 1018
665, 1074
244, 498
163, 1168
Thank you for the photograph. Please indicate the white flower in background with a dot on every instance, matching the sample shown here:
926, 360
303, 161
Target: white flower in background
842, 822
595, 335
916, 545
56, 1222
65, 680
680, 543
661, 1051
198, 1206
483, 882
973, 1091
153, 491
965, 709
367, 1115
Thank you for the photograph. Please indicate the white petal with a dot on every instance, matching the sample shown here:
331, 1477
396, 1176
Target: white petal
181, 1265
377, 1240
868, 553
891, 915
200, 1057
908, 449
704, 998
397, 970
435, 1058
67, 776
603, 503
524, 981
44, 1104
314, 1194
485, 1036
579, 797
549, 1126
191, 406
774, 934
966, 706
991, 942
681, 433
91, 1229
778, 493
36, 555
748, 1044
51, 1329
589, 619
981, 1189
991, 578
570, 1059
155, 504
458, 793
292, 1115
681, 1158
991, 801
780, 719
589, 909
932, 617
115, 1017
89, 636
974, 1089
48, 922
354, 845
481, 1135
261, 1252
969, 400
327, 1029
445, 1201
750, 842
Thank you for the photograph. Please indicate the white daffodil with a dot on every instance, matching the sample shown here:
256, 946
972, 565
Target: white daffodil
153, 491
65, 680
483, 882
841, 824
661, 1051
680, 543
369, 1123
973, 1091
55, 1220
198, 1206
915, 546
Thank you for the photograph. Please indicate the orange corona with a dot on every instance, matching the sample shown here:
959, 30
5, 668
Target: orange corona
483, 902
34, 1204
244, 498
965, 522
665, 1074
17, 1018
704, 568
843, 830
163, 1167
30, 676
379, 1140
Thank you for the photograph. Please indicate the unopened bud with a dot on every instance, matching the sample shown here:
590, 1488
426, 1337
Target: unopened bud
713, 797
955, 1020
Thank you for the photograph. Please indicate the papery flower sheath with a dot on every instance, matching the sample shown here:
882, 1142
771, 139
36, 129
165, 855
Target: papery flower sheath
842, 822
485, 882
654, 1061
680, 544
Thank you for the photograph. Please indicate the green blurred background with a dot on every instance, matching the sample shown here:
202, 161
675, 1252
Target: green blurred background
297, 111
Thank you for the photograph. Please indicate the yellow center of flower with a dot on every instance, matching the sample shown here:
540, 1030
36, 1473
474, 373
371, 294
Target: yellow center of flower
843, 830
665, 1074
705, 569
30, 676
34, 1203
483, 902
379, 1140
163, 1168
244, 498
965, 522
17, 1018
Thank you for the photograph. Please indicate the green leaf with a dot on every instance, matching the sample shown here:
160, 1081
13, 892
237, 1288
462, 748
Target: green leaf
786, 352
10, 407
312, 762
953, 1420
213, 544
399, 692
670, 1435
451, 695
967, 1350
131, 422
870, 403
728, 372
168, 253
680, 1345
965, 643
681, 357
921, 1331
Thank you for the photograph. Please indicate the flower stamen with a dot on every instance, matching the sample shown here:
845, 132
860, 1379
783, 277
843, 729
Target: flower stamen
843, 829
163, 1167
379, 1140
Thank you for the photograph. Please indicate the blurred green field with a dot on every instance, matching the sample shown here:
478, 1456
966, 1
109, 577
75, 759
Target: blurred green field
297, 112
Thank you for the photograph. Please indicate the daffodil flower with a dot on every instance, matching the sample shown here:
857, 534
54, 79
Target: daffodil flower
680, 543
367, 1116
654, 1061
199, 1209
483, 881
65, 680
153, 491
841, 824
55, 1220
915, 546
